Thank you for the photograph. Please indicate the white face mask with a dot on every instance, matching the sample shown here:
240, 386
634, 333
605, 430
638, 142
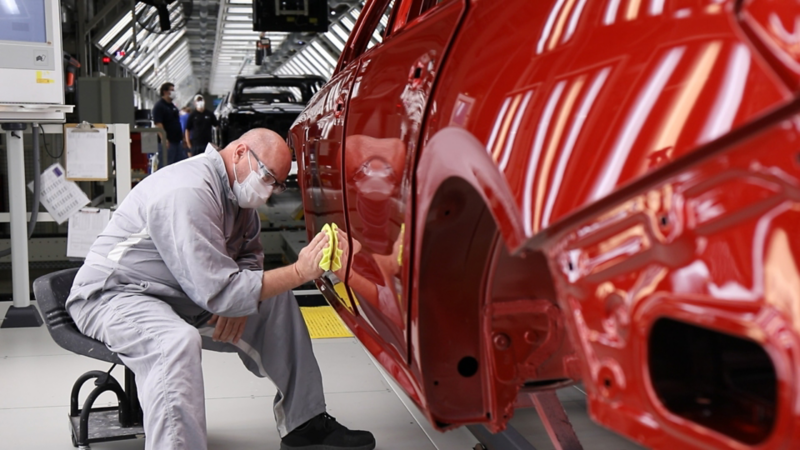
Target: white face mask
200, 105
252, 192
172, 95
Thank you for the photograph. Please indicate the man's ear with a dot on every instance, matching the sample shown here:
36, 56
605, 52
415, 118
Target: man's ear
239, 152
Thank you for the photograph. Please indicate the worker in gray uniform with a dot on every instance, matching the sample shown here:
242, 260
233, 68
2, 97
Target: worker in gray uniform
182, 247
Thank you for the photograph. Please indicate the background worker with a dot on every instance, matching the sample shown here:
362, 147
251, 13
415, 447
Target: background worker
167, 117
184, 116
184, 246
199, 127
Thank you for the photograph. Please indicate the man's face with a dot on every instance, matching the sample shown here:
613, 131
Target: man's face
200, 105
277, 161
273, 161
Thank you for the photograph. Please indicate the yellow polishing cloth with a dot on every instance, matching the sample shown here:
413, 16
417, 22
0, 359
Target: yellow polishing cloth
400, 249
336, 259
325, 262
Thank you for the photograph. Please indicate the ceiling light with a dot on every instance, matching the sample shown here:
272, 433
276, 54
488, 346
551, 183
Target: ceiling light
318, 46
336, 28
114, 31
303, 66
348, 24
241, 32
121, 41
317, 58
316, 68
334, 40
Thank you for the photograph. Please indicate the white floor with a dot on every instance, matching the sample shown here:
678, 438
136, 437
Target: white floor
36, 377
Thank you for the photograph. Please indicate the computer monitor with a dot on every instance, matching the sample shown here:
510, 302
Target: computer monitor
31, 59
26, 35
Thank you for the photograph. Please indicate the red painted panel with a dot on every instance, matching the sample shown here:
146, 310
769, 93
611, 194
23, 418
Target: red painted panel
710, 244
772, 25
576, 174
385, 114
317, 138
569, 116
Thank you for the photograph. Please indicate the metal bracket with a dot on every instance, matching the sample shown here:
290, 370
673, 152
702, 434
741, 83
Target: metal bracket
510, 439
40, 113
555, 421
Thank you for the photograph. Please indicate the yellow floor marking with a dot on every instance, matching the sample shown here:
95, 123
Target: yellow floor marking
323, 323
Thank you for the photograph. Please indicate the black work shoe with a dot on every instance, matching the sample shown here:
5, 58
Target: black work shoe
323, 432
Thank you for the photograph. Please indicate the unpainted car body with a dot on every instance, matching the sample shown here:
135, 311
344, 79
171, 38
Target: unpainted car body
543, 192
263, 101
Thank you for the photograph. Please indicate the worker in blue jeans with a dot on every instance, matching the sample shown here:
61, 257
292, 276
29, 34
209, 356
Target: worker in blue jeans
167, 117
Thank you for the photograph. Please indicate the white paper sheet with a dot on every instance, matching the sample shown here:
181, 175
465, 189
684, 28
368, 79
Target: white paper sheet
61, 198
84, 226
149, 142
87, 153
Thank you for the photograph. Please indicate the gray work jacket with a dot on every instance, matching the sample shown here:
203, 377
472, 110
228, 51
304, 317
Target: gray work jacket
181, 237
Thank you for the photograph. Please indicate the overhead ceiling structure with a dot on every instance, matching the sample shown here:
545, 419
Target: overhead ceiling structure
234, 52
321, 54
152, 56
235, 44
201, 29
216, 42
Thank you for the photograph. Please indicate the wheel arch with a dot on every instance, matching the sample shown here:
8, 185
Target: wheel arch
454, 152
463, 207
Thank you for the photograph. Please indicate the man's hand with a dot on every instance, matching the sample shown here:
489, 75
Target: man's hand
228, 329
307, 265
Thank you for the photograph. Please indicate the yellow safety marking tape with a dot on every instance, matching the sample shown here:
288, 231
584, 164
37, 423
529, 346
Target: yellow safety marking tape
323, 323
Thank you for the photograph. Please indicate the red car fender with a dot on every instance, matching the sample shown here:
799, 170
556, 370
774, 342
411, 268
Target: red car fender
475, 166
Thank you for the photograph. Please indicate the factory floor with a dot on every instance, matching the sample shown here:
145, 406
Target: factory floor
36, 377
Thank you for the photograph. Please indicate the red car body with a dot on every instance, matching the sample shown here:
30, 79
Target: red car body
538, 193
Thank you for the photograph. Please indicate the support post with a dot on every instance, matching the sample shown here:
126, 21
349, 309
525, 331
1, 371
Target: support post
22, 313
122, 159
81, 38
555, 420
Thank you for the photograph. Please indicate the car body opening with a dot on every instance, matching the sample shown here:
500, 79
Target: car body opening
723, 382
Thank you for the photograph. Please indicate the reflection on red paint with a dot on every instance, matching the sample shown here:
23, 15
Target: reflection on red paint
540, 193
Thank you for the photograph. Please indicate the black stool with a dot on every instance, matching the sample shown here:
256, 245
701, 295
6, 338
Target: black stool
89, 425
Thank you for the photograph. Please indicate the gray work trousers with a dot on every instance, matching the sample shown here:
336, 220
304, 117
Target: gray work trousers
163, 351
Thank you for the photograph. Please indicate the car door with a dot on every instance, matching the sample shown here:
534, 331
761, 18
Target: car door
387, 105
317, 136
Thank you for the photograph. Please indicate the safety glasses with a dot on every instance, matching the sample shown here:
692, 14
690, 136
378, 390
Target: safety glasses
269, 177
